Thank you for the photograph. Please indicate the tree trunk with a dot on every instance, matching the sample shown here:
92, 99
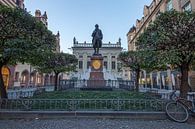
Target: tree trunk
184, 88
56, 82
3, 92
137, 80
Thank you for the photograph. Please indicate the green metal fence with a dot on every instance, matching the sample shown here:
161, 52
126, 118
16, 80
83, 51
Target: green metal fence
81, 105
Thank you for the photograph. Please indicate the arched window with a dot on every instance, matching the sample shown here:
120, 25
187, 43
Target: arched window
25, 77
33, 77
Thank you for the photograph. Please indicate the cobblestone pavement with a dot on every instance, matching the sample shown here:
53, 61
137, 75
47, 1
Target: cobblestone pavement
84, 123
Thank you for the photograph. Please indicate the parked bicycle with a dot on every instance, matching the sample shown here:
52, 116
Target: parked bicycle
179, 108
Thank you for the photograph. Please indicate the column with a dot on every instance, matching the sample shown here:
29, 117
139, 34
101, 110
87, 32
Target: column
109, 62
151, 78
49, 83
43, 79
29, 81
158, 78
170, 80
145, 78
36, 76
85, 62
116, 63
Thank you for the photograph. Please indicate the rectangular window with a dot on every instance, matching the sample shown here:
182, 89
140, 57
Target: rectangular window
187, 7
131, 37
106, 64
150, 22
80, 64
151, 7
158, 13
113, 65
169, 5
88, 64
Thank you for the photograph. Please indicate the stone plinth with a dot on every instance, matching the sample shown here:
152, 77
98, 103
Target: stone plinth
96, 79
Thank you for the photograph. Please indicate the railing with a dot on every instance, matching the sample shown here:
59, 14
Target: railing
103, 45
164, 92
20, 94
82, 105
120, 84
27, 92
29, 87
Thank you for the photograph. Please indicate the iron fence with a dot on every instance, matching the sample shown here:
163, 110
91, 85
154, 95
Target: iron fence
27, 92
81, 105
119, 84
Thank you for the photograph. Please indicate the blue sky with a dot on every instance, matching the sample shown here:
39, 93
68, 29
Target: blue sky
78, 17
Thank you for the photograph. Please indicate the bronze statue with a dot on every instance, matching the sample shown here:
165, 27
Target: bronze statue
97, 39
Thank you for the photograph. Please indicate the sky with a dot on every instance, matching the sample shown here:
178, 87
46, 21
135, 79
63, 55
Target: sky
77, 18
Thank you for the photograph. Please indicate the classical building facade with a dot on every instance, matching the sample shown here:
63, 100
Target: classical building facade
25, 74
110, 52
166, 79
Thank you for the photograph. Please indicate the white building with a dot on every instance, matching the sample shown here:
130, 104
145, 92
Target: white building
110, 52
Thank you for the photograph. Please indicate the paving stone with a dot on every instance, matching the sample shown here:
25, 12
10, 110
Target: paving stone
84, 123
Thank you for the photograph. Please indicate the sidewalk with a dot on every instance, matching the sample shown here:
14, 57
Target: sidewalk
86, 123
82, 114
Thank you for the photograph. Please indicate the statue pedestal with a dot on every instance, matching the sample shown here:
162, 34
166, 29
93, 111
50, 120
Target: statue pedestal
96, 79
